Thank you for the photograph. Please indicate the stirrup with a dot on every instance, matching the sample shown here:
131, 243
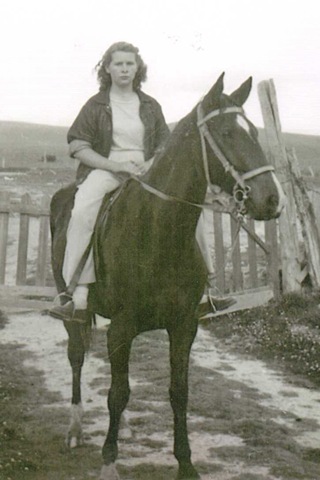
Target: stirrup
61, 295
63, 311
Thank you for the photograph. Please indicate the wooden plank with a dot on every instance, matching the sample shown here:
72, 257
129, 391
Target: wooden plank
219, 252
41, 271
252, 256
33, 210
236, 255
27, 291
289, 242
254, 236
26, 297
244, 301
21, 276
273, 266
308, 222
4, 224
12, 303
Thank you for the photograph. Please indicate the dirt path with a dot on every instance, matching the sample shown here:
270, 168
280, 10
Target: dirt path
235, 382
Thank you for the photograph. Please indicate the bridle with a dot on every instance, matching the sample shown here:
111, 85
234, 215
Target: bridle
241, 191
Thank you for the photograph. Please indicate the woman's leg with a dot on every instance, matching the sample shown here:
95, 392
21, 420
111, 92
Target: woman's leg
87, 203
214, 296
203, 242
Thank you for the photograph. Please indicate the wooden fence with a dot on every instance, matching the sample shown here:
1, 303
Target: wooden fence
242, 262
297, 258
25, 273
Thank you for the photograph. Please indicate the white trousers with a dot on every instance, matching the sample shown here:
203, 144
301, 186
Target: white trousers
87, 203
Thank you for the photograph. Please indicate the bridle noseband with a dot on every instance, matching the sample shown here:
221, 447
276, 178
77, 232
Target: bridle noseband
241, 191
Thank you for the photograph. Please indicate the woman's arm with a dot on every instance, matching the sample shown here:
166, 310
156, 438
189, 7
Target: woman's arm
89, 157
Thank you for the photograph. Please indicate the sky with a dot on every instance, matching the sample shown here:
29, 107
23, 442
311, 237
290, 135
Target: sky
49, 49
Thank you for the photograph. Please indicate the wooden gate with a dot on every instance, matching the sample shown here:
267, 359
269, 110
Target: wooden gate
25, 274
243, 263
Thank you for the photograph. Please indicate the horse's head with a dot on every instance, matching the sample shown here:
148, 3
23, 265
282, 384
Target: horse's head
233, 157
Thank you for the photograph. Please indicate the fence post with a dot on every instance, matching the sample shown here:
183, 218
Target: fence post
236, 255
21, 276
219, 251
273, 271
252, 256
289, 244
41, 272
4, 222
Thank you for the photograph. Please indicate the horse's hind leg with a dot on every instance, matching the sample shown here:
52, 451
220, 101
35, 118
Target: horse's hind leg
181, 338
119, 345
76, 353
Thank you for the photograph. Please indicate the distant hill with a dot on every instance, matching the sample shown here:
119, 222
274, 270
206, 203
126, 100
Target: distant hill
25, 144
307, 148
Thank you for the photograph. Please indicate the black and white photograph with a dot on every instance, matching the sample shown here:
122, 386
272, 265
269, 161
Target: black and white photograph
160, 240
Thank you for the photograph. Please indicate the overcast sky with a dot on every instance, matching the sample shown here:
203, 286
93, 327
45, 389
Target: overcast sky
49, 50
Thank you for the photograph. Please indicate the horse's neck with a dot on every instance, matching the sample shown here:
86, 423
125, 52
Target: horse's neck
177, 174
178, 171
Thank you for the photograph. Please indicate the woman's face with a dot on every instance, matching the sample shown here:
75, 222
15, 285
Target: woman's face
122, 68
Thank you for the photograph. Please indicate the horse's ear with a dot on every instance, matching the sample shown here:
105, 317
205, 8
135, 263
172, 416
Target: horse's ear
240, 95
212, 98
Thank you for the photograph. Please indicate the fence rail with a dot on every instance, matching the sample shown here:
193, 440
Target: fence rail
242, 262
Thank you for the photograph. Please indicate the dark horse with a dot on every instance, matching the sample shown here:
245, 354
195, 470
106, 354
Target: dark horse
150, 272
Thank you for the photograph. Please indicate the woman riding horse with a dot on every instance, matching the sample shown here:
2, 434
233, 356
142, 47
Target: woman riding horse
150, 272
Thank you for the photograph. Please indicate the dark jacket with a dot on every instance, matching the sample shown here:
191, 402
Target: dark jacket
94, 125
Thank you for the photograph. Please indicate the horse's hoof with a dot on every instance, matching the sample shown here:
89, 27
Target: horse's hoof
74, 441
74, 436
109, 472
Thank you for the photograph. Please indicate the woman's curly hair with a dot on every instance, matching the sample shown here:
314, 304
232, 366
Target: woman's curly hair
104, 78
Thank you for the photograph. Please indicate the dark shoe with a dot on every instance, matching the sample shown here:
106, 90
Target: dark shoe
214, 304
221, 303
63, 312
204, 309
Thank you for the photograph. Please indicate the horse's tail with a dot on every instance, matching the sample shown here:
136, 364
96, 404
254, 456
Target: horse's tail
87, 332
60, 212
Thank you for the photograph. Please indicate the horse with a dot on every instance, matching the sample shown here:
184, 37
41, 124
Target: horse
149, 269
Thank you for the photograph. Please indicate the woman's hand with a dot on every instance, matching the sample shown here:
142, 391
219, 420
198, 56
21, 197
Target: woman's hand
136, 165
135, 168
130, 167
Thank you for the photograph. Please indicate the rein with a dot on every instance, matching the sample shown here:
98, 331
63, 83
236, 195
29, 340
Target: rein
172, 198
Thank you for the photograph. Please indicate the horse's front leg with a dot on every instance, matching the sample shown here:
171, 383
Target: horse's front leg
181, 337
119, 345
76, 352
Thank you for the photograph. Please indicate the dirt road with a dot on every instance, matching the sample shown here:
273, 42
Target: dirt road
246, 421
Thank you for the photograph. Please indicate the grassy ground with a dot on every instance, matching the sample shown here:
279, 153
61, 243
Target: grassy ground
28, 448
284, 333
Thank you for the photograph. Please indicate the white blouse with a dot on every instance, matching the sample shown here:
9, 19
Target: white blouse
128, 130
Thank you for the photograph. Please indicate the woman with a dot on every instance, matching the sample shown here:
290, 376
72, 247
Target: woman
116, 134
